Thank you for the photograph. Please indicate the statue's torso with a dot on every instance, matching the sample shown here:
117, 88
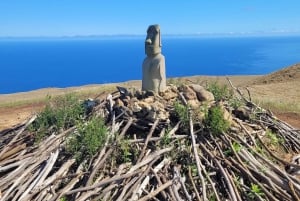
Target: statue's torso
154, 75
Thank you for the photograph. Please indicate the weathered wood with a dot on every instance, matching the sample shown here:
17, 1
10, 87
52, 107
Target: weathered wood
147, 140
60, 173
41, 177
13, 151
104, 182
4, 150
158, 190
198, 162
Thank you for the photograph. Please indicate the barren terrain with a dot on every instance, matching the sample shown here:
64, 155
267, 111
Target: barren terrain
279, 92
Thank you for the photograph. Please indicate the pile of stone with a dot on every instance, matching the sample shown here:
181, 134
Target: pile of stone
150, 106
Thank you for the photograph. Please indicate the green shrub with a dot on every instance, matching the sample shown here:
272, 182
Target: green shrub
220, 92
215, 121
59, 113
126, 153
89, 138
182, 112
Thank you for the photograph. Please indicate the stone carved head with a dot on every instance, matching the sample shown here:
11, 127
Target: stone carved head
153, 41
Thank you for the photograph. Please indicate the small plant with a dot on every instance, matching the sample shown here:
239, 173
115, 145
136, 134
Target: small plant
212, 197
215, 121
182, 113
220, 92
235, 103
194, 170
63, 198
88, 139
59, 113
237, 182
274, 140
165, 140
259, 149
125, 151
255, 191
198, 114
236, 148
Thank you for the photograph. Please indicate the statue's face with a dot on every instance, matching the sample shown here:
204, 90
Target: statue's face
152, 43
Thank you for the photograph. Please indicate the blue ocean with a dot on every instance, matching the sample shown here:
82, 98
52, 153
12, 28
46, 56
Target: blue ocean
28, 64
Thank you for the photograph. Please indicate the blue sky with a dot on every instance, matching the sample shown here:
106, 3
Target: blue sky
99, 17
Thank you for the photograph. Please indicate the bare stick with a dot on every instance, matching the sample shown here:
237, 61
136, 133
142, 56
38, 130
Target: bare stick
16, 136
157, 138
41, 177
198, 162
193, 184
158, 190
104, 182
110, 150
147, 140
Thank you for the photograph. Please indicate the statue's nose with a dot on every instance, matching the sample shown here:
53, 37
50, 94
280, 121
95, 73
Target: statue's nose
148, 41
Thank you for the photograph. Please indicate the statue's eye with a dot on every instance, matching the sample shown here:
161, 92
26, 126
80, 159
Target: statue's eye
150, 35
152, 30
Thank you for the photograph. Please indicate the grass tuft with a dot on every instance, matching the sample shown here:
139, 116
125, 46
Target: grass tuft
215, 121
220, 92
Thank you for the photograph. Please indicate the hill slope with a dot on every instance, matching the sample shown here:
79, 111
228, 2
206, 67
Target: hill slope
291, 73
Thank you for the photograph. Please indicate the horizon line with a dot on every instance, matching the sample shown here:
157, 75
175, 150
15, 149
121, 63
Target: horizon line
213, 34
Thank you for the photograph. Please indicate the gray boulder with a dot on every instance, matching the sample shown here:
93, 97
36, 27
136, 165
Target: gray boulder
202, 93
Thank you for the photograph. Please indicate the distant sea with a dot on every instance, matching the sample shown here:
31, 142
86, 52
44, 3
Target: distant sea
28, 64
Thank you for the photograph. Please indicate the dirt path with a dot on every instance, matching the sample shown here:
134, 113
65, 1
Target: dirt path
291, 118
11, 116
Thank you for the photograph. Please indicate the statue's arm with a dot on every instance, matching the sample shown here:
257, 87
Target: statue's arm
162, 75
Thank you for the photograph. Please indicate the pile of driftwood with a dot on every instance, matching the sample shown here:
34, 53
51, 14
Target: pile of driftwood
169, 159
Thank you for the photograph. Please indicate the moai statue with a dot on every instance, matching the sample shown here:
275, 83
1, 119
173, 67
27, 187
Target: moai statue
154, 72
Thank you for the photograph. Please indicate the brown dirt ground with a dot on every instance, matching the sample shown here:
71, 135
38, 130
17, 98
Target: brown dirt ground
281, 87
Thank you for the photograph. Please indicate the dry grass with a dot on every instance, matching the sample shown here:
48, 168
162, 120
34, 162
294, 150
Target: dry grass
278, 96
23, 98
